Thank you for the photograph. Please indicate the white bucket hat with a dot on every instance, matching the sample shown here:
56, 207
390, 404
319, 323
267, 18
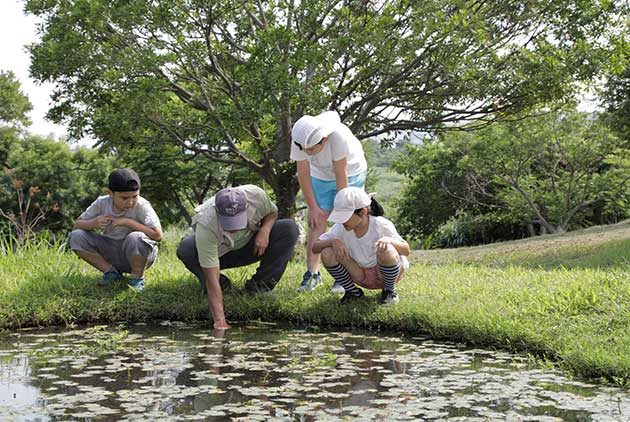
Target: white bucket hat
347, 201
308, 131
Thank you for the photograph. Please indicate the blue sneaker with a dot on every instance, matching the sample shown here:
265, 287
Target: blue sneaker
310, 281
137, 284
109, 277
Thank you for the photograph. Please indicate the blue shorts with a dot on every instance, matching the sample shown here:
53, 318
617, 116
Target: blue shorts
325, 190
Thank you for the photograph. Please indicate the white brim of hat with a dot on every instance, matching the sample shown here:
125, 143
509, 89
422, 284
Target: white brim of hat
327, 122
237, 222
338, 216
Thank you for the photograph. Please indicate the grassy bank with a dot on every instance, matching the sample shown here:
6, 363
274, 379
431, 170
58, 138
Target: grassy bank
568, 300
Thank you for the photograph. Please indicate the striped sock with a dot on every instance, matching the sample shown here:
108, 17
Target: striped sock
342, 275
390, 274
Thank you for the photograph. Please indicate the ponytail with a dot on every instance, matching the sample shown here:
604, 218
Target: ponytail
375, 208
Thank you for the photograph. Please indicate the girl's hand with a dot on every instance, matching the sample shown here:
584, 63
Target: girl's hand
341, 252
315, 217
382, 243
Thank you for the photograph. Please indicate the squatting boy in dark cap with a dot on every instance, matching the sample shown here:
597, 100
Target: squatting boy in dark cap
118, 233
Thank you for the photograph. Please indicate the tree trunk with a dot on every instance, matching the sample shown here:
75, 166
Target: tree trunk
531, 231
286, 189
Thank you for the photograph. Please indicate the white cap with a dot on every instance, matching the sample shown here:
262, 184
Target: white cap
347, 201
308, 131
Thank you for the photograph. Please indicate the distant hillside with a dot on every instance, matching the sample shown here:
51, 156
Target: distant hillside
599, 246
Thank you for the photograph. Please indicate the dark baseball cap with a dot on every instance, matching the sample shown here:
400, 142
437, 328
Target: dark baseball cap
231, 206
124, 180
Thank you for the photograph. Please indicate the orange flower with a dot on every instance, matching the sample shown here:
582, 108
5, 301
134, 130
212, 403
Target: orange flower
18, 184
33, 190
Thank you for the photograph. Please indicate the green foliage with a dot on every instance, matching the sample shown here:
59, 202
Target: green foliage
66, 181
14, 105
227, 79
556, 171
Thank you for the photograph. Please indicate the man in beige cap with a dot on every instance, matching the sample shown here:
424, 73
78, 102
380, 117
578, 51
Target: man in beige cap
237, 227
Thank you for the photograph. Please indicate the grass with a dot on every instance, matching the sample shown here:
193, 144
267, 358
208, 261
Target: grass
562, 298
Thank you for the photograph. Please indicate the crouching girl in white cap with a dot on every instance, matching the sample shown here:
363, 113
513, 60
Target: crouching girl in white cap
362, 247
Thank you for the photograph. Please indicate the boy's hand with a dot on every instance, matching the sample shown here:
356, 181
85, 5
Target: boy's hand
102, 221
119, 221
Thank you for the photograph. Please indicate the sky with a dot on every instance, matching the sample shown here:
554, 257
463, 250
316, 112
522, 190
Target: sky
16, 31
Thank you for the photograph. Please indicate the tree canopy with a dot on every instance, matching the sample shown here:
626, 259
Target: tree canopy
553, 171
227, 79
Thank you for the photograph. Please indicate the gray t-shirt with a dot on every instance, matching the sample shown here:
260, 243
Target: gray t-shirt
143, 213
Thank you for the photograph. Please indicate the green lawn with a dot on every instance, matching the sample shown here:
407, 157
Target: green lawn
562, 298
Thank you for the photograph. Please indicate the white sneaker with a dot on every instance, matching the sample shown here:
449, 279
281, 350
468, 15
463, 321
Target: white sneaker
337, 288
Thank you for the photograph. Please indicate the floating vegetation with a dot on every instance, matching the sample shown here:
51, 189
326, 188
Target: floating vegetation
180, 372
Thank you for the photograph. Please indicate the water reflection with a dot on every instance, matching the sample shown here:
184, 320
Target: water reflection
261, 372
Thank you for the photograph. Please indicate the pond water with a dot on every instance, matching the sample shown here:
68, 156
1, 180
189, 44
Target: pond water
181, 372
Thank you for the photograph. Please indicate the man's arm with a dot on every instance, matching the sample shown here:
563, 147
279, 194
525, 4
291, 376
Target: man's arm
215, 297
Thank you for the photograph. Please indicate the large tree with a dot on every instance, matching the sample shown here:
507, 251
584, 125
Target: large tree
227, 79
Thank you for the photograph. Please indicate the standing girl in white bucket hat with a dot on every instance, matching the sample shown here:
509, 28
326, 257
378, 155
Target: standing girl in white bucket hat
329, 158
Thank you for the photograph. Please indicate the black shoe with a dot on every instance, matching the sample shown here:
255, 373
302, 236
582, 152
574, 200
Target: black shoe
388, 297
349, 297
257, 289
225, 282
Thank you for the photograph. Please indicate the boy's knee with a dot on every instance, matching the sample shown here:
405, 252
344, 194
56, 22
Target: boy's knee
134, 237
77, 239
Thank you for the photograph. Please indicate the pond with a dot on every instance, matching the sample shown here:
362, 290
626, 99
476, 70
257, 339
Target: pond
182, 372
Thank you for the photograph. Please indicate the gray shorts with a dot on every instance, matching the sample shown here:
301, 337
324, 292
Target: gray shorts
115, 251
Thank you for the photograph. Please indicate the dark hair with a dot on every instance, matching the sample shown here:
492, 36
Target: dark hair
376, 209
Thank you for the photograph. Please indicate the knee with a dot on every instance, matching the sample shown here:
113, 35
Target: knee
136, 238
77, 238
182, 249
388, 256
328, 257
292, 230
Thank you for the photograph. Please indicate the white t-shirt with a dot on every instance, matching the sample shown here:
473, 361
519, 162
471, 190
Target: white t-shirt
143, 213
362, 249
341, 144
